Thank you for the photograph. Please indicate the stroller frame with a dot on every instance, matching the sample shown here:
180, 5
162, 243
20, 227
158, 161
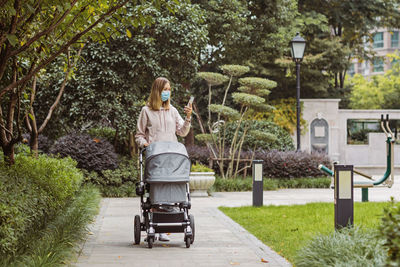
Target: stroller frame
152, 220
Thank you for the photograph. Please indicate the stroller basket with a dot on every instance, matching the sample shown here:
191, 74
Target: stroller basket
167, 171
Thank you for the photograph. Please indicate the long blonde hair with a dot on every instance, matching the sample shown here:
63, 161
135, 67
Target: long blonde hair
155, 101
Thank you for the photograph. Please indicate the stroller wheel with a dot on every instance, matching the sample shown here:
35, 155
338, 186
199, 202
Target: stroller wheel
187, 241
150, 241
191, 218
137, 229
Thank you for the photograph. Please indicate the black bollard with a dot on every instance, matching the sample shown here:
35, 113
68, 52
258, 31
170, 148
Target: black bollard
257, 183
344, 197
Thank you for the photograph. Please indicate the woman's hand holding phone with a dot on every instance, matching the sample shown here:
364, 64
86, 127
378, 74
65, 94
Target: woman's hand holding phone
188, 108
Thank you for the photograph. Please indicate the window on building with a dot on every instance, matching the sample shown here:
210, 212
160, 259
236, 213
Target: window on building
358, 129
351, 70
395, 39
378, 40
378, 65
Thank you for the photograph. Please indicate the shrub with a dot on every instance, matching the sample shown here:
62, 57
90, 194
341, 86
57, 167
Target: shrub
283, 141
277, 164
198, 154
246, 184
291, 164
240, 185
92, 154
106, 133
55, 245
44, 143
31, 192
390, 230
200, 168
116, 183
347, 247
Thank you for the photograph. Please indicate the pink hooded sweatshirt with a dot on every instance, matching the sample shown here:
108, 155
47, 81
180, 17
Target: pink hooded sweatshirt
160, 125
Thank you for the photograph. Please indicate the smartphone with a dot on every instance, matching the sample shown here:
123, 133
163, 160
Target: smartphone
190, 100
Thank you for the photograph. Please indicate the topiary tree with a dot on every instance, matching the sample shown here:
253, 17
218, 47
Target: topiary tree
250, 99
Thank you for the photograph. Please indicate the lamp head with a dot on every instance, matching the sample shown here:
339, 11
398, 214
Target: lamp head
297, 45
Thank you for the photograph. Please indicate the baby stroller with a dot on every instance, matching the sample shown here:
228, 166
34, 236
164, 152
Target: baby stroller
164, 186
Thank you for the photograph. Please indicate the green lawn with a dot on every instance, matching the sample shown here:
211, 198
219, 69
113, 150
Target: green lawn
286, 229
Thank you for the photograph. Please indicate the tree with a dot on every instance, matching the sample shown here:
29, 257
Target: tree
353, 22
35, 33
379, 91
250, 99
112, 81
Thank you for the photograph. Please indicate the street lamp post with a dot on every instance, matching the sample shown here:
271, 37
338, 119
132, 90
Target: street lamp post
298, 45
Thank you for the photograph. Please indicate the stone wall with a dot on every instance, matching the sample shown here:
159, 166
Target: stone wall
370, 157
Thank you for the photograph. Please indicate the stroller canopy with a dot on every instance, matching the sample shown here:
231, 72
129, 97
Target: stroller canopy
167, 162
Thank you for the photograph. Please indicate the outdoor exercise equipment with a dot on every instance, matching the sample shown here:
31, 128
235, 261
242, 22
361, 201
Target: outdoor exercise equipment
387, 179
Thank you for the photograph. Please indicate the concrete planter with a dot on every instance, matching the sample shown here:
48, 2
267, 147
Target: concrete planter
200, 182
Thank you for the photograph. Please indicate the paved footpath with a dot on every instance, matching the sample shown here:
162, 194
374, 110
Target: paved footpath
219, 241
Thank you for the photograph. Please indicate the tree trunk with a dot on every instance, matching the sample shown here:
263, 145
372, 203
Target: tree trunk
34, 143
9, 154
132, 145
189, 139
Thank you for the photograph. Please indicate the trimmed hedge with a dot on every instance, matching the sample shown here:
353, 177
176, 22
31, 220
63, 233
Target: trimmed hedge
292, 164
31, 192
277, 164
92, 154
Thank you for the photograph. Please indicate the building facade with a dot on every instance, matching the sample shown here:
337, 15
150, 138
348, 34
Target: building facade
384, 42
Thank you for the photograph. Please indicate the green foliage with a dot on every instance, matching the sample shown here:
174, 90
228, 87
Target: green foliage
234, 70
227, 112
256, 83
92, 154
378, 91
56, 244
115, 183
197, 167
106, 133
367, 94
390, 231
285, 114
247, 99
35, 34
283, 141
347, 247
31, 192
213, 78
204, 138
262, 136
111, 83
240, 29
350, 32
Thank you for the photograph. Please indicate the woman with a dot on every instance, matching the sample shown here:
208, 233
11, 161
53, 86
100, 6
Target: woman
160, 121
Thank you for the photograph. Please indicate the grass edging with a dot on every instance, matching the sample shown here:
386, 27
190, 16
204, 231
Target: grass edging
57, 244
288, 228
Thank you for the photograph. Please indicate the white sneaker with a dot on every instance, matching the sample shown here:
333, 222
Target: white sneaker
163, 237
